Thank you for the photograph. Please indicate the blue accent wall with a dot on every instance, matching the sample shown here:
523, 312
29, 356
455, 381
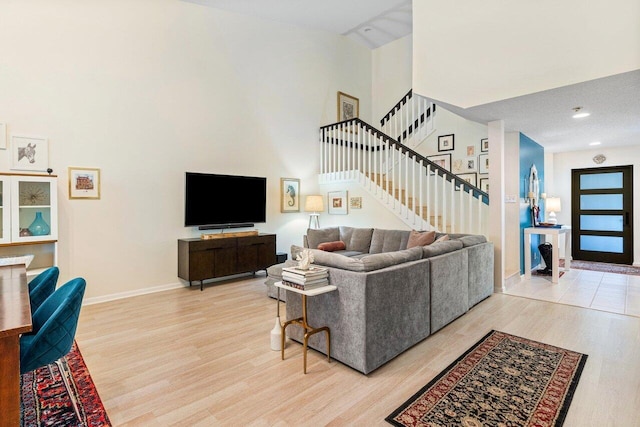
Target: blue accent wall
531, 153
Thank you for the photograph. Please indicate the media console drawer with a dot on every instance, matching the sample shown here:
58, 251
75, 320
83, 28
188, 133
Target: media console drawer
200, 259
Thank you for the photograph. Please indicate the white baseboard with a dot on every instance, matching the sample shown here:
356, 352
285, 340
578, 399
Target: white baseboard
127, 294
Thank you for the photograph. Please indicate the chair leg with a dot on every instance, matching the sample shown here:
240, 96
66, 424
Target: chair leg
67, 383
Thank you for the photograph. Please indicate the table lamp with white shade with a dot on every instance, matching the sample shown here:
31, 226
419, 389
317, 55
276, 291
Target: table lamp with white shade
314, 204
552, 205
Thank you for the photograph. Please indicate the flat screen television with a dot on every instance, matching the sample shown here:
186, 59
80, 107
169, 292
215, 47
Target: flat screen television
224, 201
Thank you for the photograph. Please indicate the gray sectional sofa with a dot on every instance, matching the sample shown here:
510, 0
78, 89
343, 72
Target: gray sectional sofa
389, 297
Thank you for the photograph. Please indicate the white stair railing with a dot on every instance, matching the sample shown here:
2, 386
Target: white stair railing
422, 194
411, 120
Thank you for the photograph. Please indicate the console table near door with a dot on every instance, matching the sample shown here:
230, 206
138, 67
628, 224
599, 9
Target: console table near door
14, 321
555, 256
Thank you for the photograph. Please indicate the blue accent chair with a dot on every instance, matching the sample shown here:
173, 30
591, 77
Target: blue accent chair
42, 286
54, 327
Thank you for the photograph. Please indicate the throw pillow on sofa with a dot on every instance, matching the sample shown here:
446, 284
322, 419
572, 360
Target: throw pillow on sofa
421, 238
442, 238
338, 245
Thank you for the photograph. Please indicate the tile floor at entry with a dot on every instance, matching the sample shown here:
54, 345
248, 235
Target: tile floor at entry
615, 293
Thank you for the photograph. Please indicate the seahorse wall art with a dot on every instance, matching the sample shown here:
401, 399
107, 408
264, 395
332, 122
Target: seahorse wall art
291, 195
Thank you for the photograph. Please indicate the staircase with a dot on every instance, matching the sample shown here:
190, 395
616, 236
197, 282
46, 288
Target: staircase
411, 120
422, 194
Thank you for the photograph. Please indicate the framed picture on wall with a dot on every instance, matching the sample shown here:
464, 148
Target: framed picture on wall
337, 202
348, 107
355, 202
469, 164
84, 183
471, 178
289, 195
484, 145
446, 142
442, 160
484, 185
29, 153
483, 163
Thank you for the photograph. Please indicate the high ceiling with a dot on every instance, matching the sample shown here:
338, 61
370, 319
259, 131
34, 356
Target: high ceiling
546, 117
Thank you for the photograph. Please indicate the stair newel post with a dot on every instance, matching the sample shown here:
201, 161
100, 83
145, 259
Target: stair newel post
461, 201
470, 222
427, 179
421, 178
444, 204
406, 183
452, 205
322, 145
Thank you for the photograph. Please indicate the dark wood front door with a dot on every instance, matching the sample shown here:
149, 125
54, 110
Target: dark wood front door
602, 214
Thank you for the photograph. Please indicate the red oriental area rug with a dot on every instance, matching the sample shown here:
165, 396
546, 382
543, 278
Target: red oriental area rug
47, 401
503, 380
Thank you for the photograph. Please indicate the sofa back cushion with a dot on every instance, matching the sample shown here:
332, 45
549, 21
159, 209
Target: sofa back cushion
356, 239
366, 263
322, 235
388, 240
440, 248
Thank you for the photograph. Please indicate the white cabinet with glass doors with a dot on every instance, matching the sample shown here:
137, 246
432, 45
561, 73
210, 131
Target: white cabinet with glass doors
29, 211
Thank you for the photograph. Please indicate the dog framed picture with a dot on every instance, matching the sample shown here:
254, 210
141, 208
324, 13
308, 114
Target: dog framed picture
29, 153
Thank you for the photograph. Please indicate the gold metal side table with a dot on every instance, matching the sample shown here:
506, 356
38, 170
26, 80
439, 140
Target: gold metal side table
302, 321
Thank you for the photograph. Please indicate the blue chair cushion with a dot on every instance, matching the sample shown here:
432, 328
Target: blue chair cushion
42, 286
54, 326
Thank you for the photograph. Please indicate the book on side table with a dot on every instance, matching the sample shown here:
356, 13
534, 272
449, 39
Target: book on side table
314, 277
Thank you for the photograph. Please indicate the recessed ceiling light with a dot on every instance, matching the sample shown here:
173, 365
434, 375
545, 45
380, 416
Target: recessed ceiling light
595, 143
579, 113
367, 29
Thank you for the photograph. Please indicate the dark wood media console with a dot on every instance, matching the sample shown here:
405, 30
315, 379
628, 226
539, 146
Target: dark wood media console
200, 259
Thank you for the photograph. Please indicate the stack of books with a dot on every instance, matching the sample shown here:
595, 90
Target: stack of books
314, 277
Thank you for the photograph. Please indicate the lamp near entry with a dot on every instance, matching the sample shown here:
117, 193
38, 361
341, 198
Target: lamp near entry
552, 206
314, 204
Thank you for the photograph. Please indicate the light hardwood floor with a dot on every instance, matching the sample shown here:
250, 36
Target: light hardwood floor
189, 358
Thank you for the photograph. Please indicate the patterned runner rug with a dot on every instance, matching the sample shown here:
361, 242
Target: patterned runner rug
47, 401
503, 380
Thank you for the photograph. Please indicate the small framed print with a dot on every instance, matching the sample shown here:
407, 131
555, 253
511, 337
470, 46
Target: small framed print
29, 153
442, 160
471, 150
483, 163
471, 178
355, 202
446, 142
484, 185
484, 145
348, 107
470, 164
289, 195
457, 166
84, 183
337, 202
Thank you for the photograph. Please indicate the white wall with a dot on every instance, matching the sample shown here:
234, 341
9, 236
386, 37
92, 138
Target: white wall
560, 183
148, 89
495, 49
512, 210
391, 76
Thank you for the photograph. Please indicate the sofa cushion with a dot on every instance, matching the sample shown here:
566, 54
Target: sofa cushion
338, 245
420, 238
440, 248
388, 240
472, 240
356, 239
317, 236
366, 263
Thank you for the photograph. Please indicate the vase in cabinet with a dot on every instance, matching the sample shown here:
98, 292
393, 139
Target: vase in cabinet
39, 226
